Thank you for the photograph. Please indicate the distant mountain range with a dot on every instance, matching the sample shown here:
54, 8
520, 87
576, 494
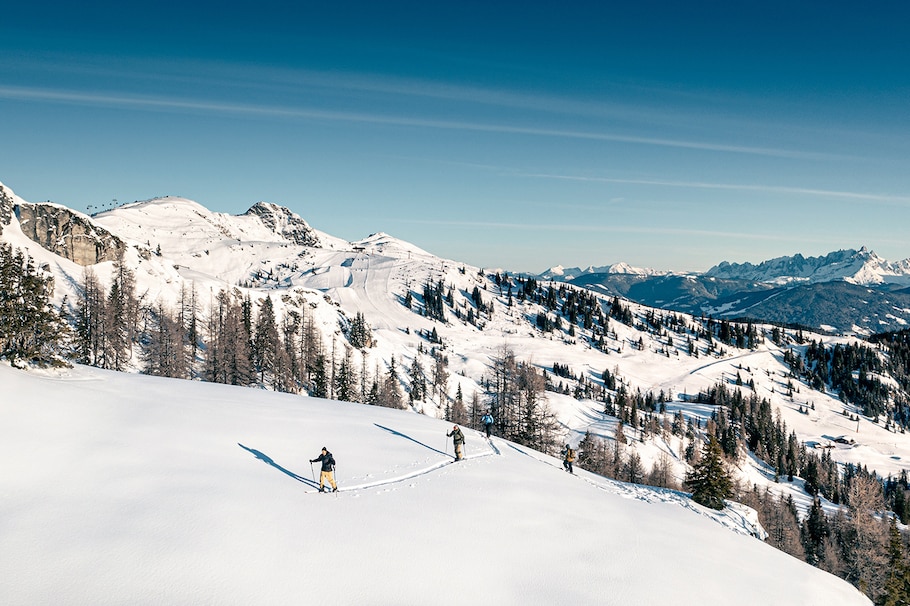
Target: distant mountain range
847, 291
570, 273
861, 267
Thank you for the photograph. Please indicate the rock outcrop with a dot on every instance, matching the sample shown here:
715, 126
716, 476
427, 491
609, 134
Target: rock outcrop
285, 223
68, 234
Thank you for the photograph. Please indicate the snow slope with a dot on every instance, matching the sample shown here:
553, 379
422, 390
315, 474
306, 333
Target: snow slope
127, 489
334, 280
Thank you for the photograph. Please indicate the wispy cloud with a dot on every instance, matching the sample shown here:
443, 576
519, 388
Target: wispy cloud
592, 228
240, 76
139, 102
776, 189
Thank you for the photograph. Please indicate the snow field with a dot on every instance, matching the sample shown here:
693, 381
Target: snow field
120, 488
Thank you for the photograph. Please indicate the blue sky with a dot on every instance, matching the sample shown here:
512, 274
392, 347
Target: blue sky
517, 135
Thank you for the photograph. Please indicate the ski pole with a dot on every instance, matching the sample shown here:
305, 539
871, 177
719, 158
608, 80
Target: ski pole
312, 473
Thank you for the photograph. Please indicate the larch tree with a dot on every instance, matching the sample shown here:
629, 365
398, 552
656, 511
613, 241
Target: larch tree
164, 351
90, 313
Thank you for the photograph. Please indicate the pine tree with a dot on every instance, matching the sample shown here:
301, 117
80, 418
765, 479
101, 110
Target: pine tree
360, 335
709, 481
346, 379
814, 531
458, 414
390, 389
897, 585
30, 329
319, 378
266, 343
459, 401
116, 345
418, 391
634, 470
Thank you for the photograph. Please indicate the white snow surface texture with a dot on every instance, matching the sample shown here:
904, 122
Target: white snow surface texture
126, 489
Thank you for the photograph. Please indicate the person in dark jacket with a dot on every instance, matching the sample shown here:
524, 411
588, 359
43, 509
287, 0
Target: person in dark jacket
458, 439
328, 470
568, 458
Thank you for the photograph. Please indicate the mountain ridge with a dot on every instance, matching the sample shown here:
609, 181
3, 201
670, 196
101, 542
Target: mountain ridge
871, 292
862, 267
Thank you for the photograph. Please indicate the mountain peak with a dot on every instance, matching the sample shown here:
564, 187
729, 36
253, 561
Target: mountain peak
861, 266
284, 222
559, 272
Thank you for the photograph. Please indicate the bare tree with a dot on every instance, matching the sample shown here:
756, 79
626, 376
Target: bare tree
866, 535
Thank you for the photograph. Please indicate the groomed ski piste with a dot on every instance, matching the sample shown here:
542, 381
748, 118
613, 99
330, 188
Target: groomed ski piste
127, 489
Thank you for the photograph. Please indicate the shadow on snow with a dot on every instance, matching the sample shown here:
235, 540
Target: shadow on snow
407, 437
268, 460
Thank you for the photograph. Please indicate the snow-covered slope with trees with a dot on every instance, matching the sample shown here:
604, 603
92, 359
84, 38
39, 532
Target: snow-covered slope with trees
125, 489
178, 244
275, 304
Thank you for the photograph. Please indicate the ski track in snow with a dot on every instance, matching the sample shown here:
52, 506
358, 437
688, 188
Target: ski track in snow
408, 476
379, 483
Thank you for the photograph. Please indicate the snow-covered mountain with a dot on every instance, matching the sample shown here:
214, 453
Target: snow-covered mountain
173, 245
848, 291
861, 266
570, 273
128, 489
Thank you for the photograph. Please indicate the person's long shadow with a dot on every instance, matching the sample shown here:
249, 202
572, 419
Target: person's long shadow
268, 460
407, 437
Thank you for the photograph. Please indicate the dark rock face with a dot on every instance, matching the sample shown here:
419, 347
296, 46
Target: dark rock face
285, 223
67, 234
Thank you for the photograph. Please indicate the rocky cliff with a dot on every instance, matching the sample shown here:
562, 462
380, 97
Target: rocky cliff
285, 223
66, 233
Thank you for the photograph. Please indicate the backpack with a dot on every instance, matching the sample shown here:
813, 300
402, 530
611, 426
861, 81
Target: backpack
570, 455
